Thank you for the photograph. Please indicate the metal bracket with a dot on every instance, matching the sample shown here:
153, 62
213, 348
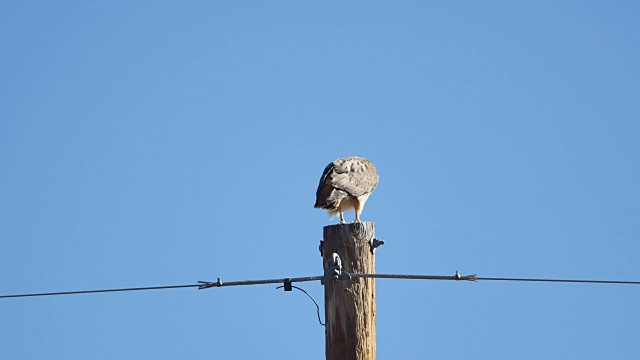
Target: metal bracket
287, 284
374, 243
320, 247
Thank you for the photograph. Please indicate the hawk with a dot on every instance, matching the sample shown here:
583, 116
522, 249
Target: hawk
345, 185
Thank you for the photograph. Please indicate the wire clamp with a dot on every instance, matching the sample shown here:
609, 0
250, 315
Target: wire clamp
334, 270
209, 284
459, 277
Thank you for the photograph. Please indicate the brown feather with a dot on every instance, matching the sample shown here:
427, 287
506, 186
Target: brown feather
346, 178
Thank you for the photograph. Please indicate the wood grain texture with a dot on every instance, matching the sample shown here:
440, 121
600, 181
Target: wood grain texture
350, 306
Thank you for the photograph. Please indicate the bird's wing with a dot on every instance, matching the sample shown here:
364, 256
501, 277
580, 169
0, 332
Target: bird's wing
326, 193
356, 176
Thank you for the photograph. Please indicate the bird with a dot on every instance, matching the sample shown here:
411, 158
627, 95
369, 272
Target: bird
345, 185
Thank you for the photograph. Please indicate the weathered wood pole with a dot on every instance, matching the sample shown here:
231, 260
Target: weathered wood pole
350, 305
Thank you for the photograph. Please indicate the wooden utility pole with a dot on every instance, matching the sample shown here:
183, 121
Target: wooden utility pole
350, 305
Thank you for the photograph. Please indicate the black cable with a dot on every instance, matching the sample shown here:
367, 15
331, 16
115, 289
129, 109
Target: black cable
219, 283
458, 277
99, 291
312, 299
562, 280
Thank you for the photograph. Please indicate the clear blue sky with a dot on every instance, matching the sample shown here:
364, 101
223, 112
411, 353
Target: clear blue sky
160, 143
